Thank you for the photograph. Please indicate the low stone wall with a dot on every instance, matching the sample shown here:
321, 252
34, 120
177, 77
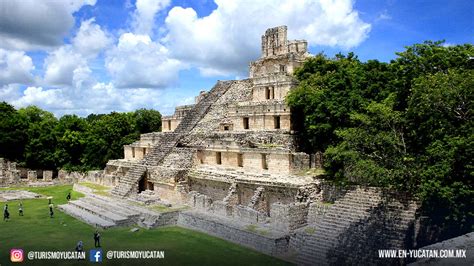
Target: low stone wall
288, 217
271, 245
248, 215
98, 177
167, 219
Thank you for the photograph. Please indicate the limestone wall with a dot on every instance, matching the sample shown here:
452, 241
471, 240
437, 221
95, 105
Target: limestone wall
288, 217
169, 124
254, 160
214, 189
272, 91
134, 153
271, 245
274, 115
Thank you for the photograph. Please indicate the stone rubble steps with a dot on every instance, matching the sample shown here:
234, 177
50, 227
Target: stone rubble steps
130, 180
179, 158
345, 221
86, 216
101, 212
109, 212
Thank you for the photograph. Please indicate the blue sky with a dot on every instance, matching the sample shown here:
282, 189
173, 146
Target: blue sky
97, 56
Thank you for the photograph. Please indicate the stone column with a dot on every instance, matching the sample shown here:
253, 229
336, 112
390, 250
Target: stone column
62, 175
32, 176
47, 176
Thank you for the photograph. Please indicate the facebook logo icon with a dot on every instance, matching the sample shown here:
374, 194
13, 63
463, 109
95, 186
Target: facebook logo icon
95, 255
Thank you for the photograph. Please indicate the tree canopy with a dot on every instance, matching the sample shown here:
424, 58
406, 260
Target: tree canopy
405, 125
38, 140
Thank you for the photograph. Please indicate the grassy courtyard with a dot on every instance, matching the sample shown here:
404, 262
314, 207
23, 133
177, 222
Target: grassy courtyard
36, 231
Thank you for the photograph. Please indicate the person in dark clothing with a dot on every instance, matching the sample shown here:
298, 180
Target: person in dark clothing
79, 247
68, 197
97, 239
51, 212
20, 209
6, 214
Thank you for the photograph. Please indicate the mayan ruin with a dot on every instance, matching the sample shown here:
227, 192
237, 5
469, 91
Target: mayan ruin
159, 132
233, 158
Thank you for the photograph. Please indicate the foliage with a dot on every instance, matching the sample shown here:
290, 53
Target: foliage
36, 139
13, 133
405, 125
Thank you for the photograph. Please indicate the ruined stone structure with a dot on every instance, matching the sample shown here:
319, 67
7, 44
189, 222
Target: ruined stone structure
233, 158
235, 145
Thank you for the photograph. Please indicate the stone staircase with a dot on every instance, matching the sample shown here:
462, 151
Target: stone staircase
179, 158
129, 184
354, 228
202, 108
108, 212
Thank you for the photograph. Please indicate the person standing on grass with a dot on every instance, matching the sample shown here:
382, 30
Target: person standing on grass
20, 208
6, 214
51, 213
68, 197
79, 247
97, 239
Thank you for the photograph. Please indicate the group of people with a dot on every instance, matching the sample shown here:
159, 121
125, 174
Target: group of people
6, 212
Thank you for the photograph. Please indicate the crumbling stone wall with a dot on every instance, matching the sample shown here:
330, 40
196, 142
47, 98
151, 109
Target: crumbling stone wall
216, 190
274, 245
288, 217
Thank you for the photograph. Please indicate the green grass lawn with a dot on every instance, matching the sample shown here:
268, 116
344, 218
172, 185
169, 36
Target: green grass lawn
36, 231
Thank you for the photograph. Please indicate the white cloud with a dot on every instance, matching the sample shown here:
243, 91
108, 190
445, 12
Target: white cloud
15, 67
138, 62
61, 64
69, 64
51, 99
90, 39
383, 16
144, 16
227, 39
10, 92
32, 24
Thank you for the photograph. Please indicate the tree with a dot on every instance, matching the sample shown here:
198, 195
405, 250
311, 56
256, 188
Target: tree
440, 118
40, 147
329, 91
406, 125
106, 138
70, 133
13, 133
148, 120
374, 151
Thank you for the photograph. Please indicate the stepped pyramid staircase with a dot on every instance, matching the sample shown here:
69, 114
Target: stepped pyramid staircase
354, 228
106, 212
129, 183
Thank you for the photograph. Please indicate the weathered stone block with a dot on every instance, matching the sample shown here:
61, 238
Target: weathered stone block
47, 175
62, 174
289, 217
32, 176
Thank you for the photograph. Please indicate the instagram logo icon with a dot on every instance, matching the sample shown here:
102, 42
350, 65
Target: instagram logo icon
16, 255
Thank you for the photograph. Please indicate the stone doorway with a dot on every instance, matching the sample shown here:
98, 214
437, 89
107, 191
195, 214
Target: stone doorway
145, 184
